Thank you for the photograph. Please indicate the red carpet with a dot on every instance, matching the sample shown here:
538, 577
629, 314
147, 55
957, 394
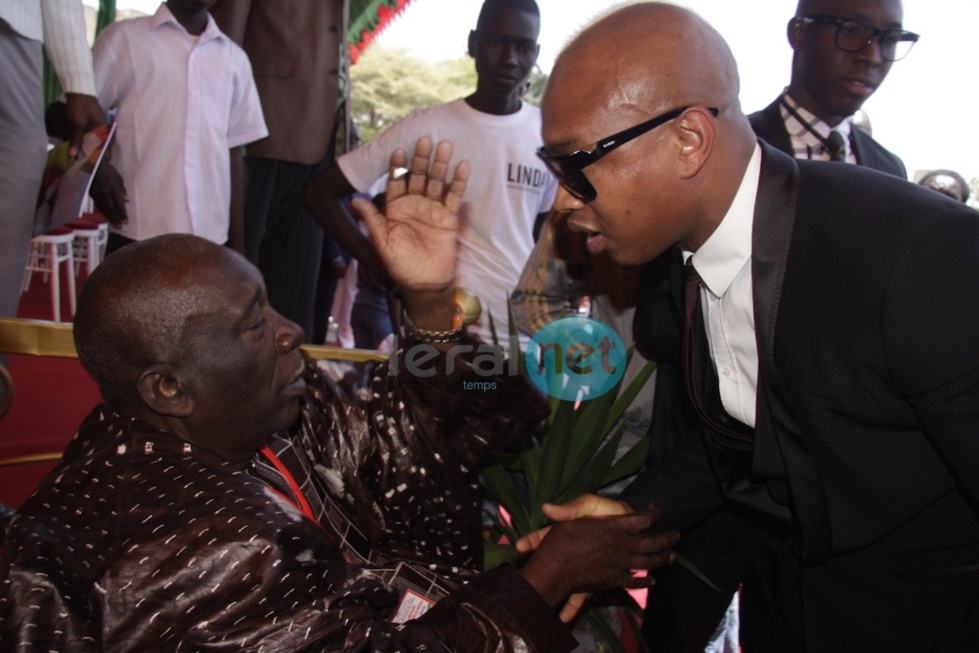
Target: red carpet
52, 395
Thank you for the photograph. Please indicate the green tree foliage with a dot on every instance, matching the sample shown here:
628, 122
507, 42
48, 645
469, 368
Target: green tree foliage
387, 84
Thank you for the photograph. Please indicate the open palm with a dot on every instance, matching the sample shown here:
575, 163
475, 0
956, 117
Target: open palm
415, 236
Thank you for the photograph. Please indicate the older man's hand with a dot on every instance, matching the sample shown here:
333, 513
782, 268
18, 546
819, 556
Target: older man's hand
415, 236
596, 553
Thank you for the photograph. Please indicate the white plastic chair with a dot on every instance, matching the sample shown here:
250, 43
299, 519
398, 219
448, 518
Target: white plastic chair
47, 253
85, 247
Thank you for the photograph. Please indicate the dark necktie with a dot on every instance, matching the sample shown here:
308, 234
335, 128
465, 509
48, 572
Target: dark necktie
696, 359
835, 146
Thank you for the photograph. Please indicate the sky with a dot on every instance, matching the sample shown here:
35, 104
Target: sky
925, 111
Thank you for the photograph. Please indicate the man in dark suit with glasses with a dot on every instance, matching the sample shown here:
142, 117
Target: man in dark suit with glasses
842, 52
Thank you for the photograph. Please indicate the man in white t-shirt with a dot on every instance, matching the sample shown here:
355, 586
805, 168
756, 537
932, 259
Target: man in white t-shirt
498, 134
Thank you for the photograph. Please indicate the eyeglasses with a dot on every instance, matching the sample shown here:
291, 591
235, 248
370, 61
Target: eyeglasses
855, 35
568, 167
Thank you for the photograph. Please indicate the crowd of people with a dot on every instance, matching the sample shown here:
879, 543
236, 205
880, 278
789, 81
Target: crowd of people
808, 424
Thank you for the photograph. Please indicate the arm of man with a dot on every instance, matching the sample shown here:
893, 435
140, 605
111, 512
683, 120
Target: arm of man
416, 238
546, 286
108, 189
324, 197
931, 319
67, 47
239, 182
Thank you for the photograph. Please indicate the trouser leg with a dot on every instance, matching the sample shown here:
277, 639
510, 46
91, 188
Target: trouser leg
22, 157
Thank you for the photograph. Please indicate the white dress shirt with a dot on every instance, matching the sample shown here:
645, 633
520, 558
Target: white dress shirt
60, 25
724, 264
184, 101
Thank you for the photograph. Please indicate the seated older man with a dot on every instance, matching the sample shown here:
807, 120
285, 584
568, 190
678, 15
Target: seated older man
228, 496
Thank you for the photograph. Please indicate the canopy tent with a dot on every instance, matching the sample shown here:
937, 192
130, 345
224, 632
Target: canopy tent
367, 19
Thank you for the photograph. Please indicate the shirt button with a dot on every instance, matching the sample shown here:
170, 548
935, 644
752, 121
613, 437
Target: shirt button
727, 371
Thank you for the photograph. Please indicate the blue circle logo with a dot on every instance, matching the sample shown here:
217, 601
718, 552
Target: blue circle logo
576, 358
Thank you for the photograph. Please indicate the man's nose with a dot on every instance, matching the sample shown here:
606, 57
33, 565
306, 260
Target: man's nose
565, 201
288, 334
508, 54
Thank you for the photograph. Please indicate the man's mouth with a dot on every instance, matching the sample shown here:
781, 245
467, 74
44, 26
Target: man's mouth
858, 86
507, 81
297, 382
595, 242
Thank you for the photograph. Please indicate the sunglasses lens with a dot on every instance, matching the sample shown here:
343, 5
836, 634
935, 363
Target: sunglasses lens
573, 180
578, 185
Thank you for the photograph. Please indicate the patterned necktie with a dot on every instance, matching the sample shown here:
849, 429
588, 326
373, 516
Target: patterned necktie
835, 146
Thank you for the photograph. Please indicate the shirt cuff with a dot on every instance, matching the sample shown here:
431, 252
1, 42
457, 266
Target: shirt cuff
67, 46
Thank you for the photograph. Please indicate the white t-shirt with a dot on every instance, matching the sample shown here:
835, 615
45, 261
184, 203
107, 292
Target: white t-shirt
184, 101
508, 187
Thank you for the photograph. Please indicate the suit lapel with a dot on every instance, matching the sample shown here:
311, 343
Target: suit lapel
770, 126
774, 220
866, 156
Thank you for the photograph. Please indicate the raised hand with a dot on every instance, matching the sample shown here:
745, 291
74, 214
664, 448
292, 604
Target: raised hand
415, 236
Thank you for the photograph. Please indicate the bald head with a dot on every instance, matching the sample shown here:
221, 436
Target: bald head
135, 308
643, 61
654, 54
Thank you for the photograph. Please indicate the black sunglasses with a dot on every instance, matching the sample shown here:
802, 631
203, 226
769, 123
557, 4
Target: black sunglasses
568, 168
854, 35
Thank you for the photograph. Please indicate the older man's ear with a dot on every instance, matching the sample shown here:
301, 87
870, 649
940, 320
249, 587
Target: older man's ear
162, 391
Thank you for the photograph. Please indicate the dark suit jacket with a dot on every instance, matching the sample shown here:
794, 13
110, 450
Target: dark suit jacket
295, 50
868, 386
770, 127
656, 327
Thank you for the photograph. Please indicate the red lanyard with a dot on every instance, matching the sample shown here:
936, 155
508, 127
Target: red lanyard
303, 505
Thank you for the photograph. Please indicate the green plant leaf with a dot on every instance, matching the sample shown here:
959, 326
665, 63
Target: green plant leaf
530, 463
554, 456
495, 555
497, 482
590, 477
699, 575
604, 630
589, 431
627, 396
515, 351
492, 328
630, 463
636, 629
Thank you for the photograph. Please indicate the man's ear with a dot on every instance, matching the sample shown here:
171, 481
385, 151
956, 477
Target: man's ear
696, 129
472, 43
796, 31
163, 392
